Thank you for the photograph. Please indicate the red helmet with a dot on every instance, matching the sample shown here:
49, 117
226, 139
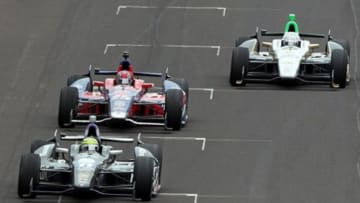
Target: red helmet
124, 78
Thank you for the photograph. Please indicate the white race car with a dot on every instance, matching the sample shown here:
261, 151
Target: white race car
290, 58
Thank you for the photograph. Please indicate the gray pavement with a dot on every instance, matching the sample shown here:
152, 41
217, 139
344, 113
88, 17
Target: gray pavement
264, 143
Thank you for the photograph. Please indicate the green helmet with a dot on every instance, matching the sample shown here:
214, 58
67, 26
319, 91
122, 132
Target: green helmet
291, 25
89, 144
89, 141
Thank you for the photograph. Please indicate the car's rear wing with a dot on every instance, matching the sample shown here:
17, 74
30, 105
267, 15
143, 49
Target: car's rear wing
66, 137
97, 71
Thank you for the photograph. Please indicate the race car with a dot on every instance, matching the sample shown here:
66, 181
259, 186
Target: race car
290, 58
119, 100
90, 168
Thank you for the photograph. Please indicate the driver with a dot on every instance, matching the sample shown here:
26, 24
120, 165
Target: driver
91, 140
125, 63
124, 77
291, 39
89, 144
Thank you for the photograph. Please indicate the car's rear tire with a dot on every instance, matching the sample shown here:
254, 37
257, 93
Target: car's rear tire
239, 64
143, 176
173, 109
37, 144
156, 150
28, 175
339, 62
67, 106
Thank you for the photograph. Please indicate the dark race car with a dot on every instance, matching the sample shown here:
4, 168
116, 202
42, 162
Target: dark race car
90, 167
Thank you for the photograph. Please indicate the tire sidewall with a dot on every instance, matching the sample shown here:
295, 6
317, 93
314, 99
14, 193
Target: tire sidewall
29, 170
339, 61
239, 64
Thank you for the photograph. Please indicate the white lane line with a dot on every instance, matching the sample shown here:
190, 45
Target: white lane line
194, 195
107, 46
357, 29
211, 90
195, 46
218, 196
238, 140
218, 48
222, 9
129, 6
202, 139
60, 198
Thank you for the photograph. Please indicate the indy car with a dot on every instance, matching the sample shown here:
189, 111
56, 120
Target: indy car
136, 102
290, 58
92, 168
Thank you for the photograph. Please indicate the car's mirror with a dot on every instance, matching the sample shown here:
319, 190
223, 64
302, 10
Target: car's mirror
99, 83
115, 152
62, 150
314, 46
147, 85
63, 134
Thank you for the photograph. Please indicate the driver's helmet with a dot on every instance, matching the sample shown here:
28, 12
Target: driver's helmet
124, 78
291, 39
89, 144
125, 64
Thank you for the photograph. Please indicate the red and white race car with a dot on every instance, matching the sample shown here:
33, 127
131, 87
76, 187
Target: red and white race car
122, 99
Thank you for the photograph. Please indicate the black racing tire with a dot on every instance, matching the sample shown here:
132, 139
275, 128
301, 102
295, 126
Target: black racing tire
156, 150
29, 170
173, 108
183, 84
67, 106
36, 144
240, 40
339, 61
239, 64
143, 176
345, 44
73, 78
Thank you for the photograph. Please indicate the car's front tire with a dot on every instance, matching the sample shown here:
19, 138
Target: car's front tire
143, 176
156, 150
183, 84
173, 108
72, 79
37, 144
28, 175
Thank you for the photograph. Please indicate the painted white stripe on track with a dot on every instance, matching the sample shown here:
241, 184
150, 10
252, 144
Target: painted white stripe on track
211, 90
202, 139
195, 196
238, 140
222, 9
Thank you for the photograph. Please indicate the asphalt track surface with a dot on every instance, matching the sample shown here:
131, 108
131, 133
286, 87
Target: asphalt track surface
264, 143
